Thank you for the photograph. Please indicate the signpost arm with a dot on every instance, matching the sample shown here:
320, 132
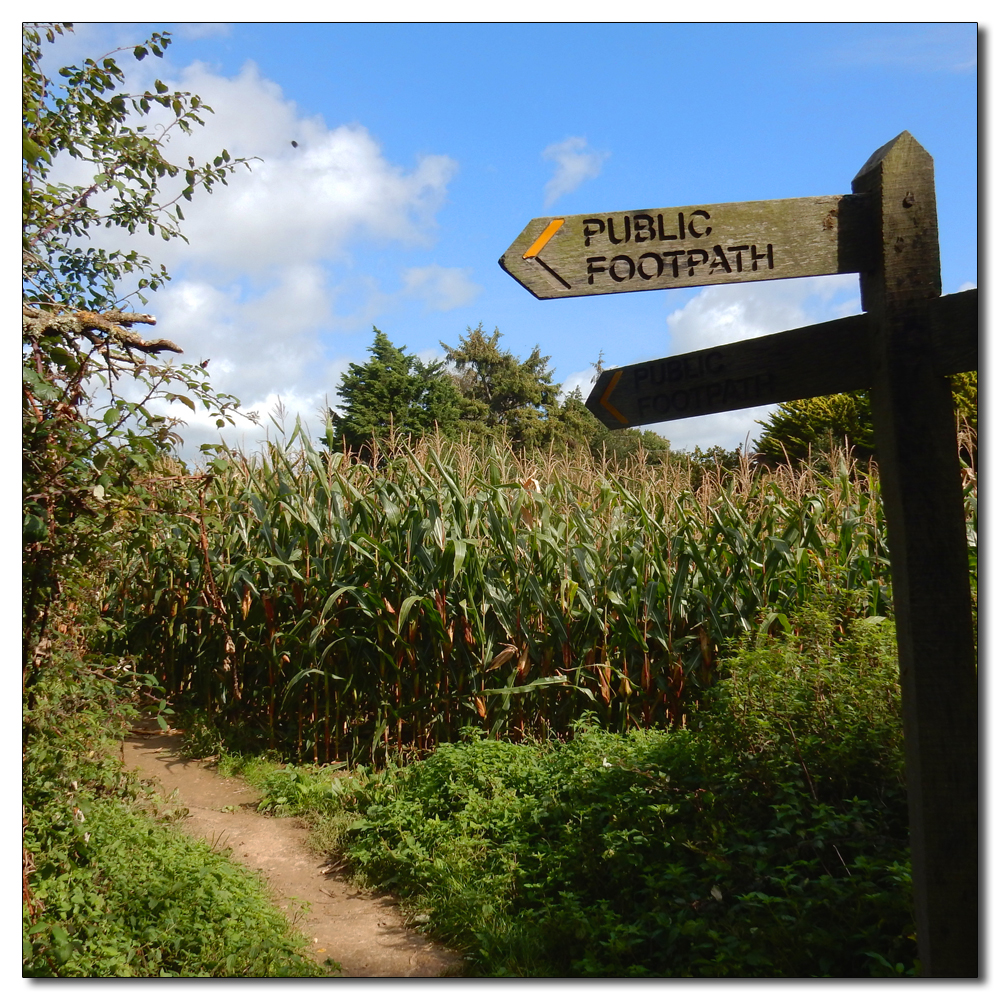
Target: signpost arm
921, 486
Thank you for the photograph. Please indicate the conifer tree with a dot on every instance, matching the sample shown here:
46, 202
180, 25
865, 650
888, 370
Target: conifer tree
501, 391
393, 392
809, 426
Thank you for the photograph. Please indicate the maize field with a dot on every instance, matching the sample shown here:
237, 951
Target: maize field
349, 611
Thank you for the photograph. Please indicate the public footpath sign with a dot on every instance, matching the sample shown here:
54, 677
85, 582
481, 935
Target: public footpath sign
680, 247
902, 348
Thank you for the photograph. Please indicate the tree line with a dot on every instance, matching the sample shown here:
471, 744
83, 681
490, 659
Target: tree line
480, 389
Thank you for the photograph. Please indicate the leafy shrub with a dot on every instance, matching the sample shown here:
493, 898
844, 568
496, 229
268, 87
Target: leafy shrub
829, 691
293, 791
771, 841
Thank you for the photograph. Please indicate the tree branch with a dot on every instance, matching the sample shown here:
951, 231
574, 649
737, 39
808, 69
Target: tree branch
98, 328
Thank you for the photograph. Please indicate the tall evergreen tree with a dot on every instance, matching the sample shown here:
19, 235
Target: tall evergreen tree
393, 391
802, 427
501, 391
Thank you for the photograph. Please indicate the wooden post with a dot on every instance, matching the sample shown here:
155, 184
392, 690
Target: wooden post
921, 487
904, 349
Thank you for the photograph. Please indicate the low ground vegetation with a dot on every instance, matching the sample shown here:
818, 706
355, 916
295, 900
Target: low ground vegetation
767, 839
111, 887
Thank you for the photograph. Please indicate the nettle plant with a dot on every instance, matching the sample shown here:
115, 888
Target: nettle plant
90, 381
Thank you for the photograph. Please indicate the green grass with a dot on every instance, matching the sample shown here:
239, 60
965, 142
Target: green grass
769, 842
113, 892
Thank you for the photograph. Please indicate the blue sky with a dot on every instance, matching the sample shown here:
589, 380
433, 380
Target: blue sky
423, 150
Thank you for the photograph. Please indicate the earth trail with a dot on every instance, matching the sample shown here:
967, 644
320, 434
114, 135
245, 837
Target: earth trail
365, 932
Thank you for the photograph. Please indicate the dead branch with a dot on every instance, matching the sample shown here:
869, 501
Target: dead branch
99, 328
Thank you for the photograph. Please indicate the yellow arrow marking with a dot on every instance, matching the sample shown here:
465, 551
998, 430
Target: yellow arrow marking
547, 233
607, 394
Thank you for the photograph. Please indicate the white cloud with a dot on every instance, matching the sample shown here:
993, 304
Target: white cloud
575, 163
276, 417
263, 344
735, 428
267, 340
584, 381
268, 271
310, 201
723, 314
258, 349
440, 288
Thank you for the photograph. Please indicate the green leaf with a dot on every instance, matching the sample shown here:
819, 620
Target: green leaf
525, 688
31, 151
404, 609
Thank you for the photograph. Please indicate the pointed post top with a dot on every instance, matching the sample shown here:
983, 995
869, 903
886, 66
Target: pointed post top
898, 181
903, 145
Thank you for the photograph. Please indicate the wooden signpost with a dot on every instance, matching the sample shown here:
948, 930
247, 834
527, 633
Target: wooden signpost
557, 258
901, 349
815, 360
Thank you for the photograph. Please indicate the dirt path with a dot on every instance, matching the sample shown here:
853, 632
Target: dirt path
364, 932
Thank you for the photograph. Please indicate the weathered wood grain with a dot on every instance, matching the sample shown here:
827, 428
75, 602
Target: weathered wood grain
811, 361
611, 252
922, 493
